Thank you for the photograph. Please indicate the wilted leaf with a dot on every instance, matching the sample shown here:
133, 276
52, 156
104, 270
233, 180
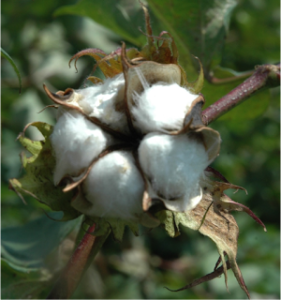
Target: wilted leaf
211, 220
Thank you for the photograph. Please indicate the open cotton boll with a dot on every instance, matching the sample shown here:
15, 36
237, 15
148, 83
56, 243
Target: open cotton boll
161, 107
105, 102
76, 142
173, 166
115, 187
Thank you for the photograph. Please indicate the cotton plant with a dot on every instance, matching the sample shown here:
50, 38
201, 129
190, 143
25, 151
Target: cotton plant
133, 149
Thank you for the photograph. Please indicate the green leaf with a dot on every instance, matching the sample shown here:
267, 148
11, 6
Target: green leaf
38, 180
122, 19
29, 245
21, 283
8, 57
198, 27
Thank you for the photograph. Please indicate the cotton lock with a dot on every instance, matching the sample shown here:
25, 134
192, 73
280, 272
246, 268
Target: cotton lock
114, 187
173, 166
76, 142
161, 107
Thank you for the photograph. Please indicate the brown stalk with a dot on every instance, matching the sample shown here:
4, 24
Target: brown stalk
73, 271
265, 75
77, 265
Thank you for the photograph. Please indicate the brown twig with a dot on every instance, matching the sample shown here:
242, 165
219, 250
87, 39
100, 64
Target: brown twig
264, 75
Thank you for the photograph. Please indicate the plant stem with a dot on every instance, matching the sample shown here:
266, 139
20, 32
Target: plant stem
264, 75
77, 265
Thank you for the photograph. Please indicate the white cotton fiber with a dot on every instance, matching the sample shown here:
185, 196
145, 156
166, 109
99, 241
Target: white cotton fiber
161, 107
76, 142
173, 165
102, 101
115, 187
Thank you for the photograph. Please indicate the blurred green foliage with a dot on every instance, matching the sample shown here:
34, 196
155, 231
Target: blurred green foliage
41, 45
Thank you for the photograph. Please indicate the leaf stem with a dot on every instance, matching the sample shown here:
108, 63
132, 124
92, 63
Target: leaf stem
77, 265
265, 75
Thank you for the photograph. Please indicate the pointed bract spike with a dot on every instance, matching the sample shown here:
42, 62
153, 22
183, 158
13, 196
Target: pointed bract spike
235, 205
216, 273
93, 52
150, 39
59, 97
215, 173
221, 252
95, 80
225, 186
237, 272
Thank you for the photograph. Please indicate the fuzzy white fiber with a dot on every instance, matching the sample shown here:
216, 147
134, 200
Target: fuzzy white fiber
115, 187
173, 166
161, 107
76, 142
100, 101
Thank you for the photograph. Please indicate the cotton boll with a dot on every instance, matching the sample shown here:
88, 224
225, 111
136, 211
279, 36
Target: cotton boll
115, 187
161, 107
173, 165
106, 102
76, 142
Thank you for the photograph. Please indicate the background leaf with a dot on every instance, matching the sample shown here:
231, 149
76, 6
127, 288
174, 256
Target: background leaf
199, 26
21, 283
30, 244
8, 57
122, 17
